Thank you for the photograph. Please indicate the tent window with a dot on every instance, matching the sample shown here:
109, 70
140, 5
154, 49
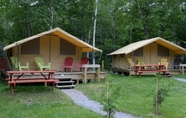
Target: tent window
114, 56
163, 51
67, 48
122, 55
31, 47
138, 52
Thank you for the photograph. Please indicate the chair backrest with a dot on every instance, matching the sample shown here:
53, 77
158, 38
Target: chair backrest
84, 60
163, 61
39, 61
68, 61
130, 62
14, 61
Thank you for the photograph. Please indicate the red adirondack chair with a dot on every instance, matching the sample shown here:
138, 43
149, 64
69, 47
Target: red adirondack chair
84, 60
68, 63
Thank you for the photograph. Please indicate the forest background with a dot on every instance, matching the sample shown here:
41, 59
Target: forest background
119, 22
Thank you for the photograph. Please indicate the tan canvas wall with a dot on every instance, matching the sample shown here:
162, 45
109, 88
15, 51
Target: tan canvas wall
113, 62
23, 59
150, 56
50, 52
119, 61
122, 61
55, 57
116, 61
147, 54
171, 61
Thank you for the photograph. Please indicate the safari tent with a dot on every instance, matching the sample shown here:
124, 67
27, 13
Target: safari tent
149, 51
53, 46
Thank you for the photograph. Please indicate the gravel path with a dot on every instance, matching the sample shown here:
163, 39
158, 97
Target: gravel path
181, 79
79, 98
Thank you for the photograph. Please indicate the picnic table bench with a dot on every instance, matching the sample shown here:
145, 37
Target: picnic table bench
150, 68
16, 77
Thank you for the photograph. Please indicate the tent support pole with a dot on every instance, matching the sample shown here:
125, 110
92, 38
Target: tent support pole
50, 49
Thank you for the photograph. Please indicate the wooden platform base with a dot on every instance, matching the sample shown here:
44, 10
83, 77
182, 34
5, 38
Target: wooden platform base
129, 72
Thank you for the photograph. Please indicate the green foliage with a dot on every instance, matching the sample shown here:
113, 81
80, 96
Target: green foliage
39, 102
118, 22
137, 93
161, 92
111, 93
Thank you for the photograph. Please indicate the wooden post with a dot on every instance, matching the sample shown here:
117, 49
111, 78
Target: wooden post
182, 68
97, 74
85, 75
102, 65
45, 84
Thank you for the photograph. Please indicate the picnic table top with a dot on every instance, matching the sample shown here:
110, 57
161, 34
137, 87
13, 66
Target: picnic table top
31, 71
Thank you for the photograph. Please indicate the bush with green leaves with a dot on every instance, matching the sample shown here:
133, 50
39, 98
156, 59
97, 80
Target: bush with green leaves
112, 91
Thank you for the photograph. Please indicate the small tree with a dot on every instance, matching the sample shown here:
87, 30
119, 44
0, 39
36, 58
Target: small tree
161, 92
110, 101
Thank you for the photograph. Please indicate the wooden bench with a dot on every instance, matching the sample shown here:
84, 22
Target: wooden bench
150, 71
12, 84
16, 77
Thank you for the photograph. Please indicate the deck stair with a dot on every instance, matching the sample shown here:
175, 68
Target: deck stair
64, 82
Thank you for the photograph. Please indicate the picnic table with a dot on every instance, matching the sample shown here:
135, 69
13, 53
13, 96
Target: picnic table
182, 68
150, 68
16, 77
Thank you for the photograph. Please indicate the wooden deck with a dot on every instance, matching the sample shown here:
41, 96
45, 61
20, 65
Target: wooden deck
130, 72
76, 76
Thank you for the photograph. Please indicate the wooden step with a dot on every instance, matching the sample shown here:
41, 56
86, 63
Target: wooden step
62, 77
65, 86
65, 82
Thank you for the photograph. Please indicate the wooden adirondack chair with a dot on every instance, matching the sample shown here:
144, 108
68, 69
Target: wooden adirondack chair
130, 62
41, 64
84, 60
164, 62
68, 63
18, 64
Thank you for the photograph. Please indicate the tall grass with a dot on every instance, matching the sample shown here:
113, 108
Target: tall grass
136, 96
39, 102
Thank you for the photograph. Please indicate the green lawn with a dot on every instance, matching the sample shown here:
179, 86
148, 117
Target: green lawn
136, 95
39, 102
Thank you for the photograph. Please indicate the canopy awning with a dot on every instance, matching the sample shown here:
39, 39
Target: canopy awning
134, 46
62, 34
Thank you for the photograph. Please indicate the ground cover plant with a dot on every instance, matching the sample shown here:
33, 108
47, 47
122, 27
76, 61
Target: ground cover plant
137, 93
39, 102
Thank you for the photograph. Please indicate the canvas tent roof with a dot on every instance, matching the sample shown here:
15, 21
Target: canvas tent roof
61, 33
134, 46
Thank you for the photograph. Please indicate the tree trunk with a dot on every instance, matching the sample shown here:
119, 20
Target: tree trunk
113, 24
51, 14
145, 22
94, 32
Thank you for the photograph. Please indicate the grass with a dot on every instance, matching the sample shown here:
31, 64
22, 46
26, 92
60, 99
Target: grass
136, 96
39, 102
